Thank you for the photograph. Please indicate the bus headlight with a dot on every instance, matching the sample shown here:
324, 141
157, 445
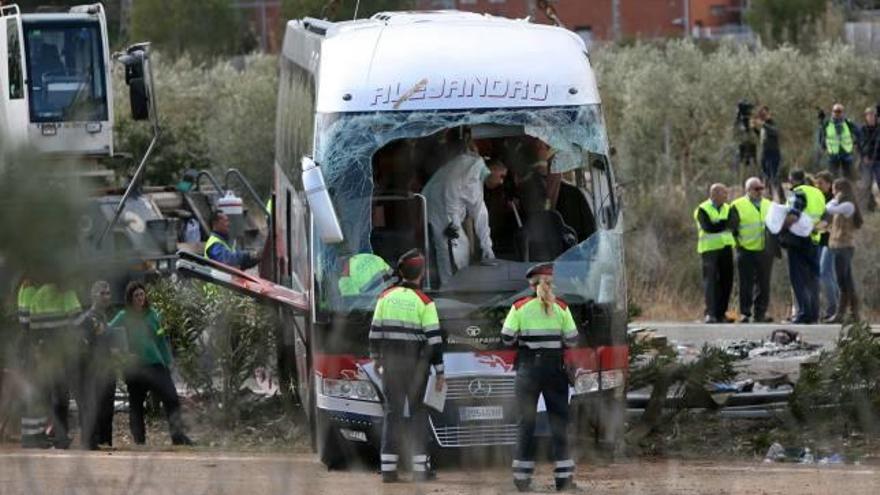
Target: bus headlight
586, 383
349, 389
613, 379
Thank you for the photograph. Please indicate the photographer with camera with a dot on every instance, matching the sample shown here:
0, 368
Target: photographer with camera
745, 133
838, 137
770, 156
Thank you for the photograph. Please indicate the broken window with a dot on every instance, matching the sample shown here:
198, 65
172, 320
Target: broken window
378, 165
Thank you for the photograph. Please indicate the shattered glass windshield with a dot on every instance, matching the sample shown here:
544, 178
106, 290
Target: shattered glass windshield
345, 146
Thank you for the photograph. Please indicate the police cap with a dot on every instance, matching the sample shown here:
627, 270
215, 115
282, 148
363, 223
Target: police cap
412, 259
540, 269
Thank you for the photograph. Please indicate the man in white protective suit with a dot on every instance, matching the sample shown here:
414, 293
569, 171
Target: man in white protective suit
453, 193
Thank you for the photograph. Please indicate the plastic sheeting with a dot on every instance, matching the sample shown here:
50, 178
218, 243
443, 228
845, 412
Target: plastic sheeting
345, 144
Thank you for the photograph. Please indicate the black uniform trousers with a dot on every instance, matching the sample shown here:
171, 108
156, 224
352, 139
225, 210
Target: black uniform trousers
97, 391
754, 268
404, 378
541, 372
155, 379
717, 281
803, 269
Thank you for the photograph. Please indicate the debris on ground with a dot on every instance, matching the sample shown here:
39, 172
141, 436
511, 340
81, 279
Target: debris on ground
778, 453
782, 343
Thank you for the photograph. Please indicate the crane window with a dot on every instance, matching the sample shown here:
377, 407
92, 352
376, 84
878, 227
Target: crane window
66, 69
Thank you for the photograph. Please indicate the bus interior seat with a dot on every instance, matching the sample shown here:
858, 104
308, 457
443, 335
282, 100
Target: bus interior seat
546, 236
574, 207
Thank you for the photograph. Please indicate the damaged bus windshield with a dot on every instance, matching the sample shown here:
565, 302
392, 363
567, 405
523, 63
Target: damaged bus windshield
536, 186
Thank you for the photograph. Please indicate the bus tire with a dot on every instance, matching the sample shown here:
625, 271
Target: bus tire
329, 443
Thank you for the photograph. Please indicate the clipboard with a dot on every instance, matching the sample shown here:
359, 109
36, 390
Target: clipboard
434, 399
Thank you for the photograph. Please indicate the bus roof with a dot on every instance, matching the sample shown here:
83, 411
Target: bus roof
441, 60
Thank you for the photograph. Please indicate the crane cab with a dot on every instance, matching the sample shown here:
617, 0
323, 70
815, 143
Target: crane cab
55, 79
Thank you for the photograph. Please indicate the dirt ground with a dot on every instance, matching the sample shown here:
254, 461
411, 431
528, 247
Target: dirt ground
189, 471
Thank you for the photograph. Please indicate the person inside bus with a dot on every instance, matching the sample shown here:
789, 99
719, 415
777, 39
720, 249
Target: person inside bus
453, 193
546, 235
499, 194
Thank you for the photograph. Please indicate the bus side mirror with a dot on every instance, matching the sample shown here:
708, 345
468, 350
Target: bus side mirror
139, 80
323, 212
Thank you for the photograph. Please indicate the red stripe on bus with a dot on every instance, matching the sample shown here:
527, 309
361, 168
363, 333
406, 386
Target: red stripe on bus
604, 357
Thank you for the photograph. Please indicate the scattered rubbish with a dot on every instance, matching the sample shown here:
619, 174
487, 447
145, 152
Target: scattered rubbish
807, 457
832, 459
778, 453
784, 336
775, 453
782, 343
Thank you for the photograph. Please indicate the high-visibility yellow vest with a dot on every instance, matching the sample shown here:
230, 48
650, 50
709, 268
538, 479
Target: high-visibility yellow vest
834, 141
363, 272
815, 206
751, 223
713, 241
214, 239
53, 309
529, 324
25, 296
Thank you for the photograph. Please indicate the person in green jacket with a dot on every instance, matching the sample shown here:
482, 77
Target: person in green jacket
149, 369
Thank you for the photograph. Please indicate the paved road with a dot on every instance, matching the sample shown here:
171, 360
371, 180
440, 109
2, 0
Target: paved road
194, 472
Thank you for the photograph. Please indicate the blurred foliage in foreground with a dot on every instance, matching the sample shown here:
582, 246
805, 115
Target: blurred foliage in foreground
843, 384
41, 205
220, 341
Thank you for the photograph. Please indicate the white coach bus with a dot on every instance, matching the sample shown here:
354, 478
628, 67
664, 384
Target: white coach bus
376, 104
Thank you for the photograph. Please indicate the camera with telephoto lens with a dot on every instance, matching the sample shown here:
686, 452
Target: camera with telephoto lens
743, 114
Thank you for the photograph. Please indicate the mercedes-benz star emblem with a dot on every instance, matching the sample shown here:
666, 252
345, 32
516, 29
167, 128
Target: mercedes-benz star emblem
479, 388
473, 331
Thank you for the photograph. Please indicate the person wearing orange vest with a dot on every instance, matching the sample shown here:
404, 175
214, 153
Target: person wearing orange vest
754, 261
715, 245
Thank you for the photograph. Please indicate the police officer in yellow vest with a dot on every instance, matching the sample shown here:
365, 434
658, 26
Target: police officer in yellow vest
754, 260
405, 340
715, 245
219, 248
541, 326
838, 137
34, 417
803, 252
54, 314
363, 273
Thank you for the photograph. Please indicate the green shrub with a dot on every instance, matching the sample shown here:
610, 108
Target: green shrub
843, 383
219, 338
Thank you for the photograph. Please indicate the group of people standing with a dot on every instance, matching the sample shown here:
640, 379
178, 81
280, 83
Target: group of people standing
817, 230
66, 349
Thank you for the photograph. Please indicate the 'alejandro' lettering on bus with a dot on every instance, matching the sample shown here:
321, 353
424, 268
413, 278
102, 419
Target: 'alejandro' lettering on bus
467, 87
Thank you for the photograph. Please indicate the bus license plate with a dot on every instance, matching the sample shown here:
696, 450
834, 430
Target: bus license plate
482, 413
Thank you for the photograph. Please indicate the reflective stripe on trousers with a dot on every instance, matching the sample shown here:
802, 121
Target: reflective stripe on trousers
522, 470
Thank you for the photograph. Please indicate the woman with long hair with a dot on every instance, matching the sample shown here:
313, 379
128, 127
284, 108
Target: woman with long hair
148, 370
541, 326
845, 221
